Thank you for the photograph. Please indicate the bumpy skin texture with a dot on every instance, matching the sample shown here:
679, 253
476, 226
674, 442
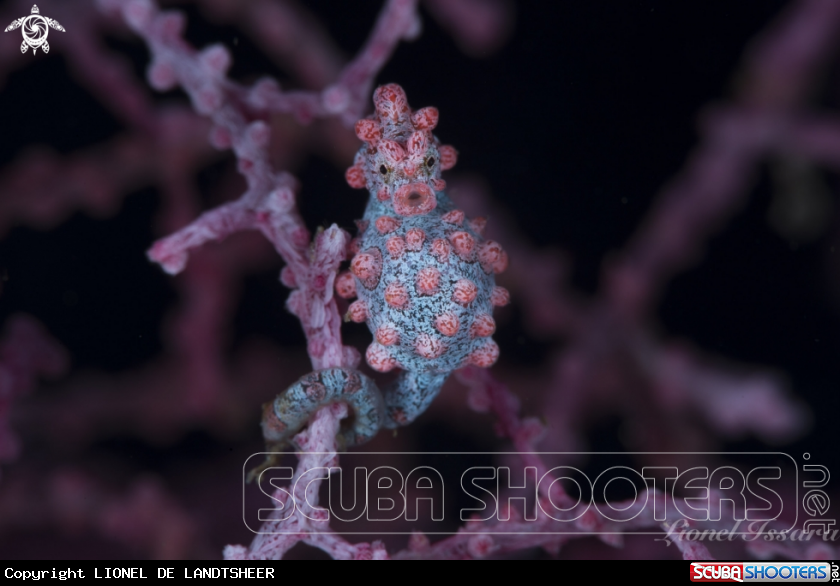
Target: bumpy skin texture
422, 272
424, 277
292, 408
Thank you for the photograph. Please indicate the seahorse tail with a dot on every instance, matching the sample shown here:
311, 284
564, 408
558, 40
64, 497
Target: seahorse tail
290, 411
409, 395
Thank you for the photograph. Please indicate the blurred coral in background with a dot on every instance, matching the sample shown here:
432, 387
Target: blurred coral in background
663, 178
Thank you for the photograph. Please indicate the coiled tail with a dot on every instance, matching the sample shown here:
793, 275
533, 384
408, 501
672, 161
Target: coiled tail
291, 410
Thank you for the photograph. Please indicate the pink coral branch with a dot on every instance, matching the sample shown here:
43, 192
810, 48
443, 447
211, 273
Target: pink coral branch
268, 203
307, 523
41, 189
313, 300
144, 517
780, 71
479, 26
488, 394
495, 538
347, 97
270, 214
107, 75
201, 76
792, 550
681, 383
485, 393
611, 347
767, 119
732, 402
27, 352
287, 32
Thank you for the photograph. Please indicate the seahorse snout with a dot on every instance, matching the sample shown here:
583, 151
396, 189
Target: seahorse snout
414, 199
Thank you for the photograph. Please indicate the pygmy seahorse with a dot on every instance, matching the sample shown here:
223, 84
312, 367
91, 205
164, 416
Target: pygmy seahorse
423, 275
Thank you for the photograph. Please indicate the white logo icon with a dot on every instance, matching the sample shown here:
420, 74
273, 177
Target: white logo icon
35, 30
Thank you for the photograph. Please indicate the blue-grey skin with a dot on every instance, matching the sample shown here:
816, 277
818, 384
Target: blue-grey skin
422, 378
400, 160
410, 395
291, 410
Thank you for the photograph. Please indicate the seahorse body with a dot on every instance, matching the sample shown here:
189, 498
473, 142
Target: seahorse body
423, 274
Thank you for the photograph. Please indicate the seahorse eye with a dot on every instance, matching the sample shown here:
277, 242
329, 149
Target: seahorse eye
430, 162
383, 169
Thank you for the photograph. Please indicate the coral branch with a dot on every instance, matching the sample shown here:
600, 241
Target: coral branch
307, 523
27, 352
479, 26
779, 72
425, 270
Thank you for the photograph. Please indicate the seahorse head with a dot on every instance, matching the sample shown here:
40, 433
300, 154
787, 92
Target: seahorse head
401, 160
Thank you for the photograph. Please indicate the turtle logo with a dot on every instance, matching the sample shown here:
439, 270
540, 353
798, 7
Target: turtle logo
35, 30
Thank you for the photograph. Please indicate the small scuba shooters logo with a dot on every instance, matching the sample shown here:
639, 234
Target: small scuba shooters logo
35, 29
763, 572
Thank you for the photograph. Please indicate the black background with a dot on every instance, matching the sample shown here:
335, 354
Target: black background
575, 123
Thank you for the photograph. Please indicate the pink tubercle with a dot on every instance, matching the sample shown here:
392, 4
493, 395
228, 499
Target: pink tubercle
345, 285
455, 217
492, 257
414, 239
409, 169
465, 292
484, 325
367, 266
392, 151
418, 142
448, 157
428, 281
441, 249
447, 324
499, 296
396, 295
464, 245
387, 224
485, 356
428, 346
357, 312
379, 358
395, 246
368, 130
425, 118
387, 335
355, 177
414, 199
478, 225
390, 102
